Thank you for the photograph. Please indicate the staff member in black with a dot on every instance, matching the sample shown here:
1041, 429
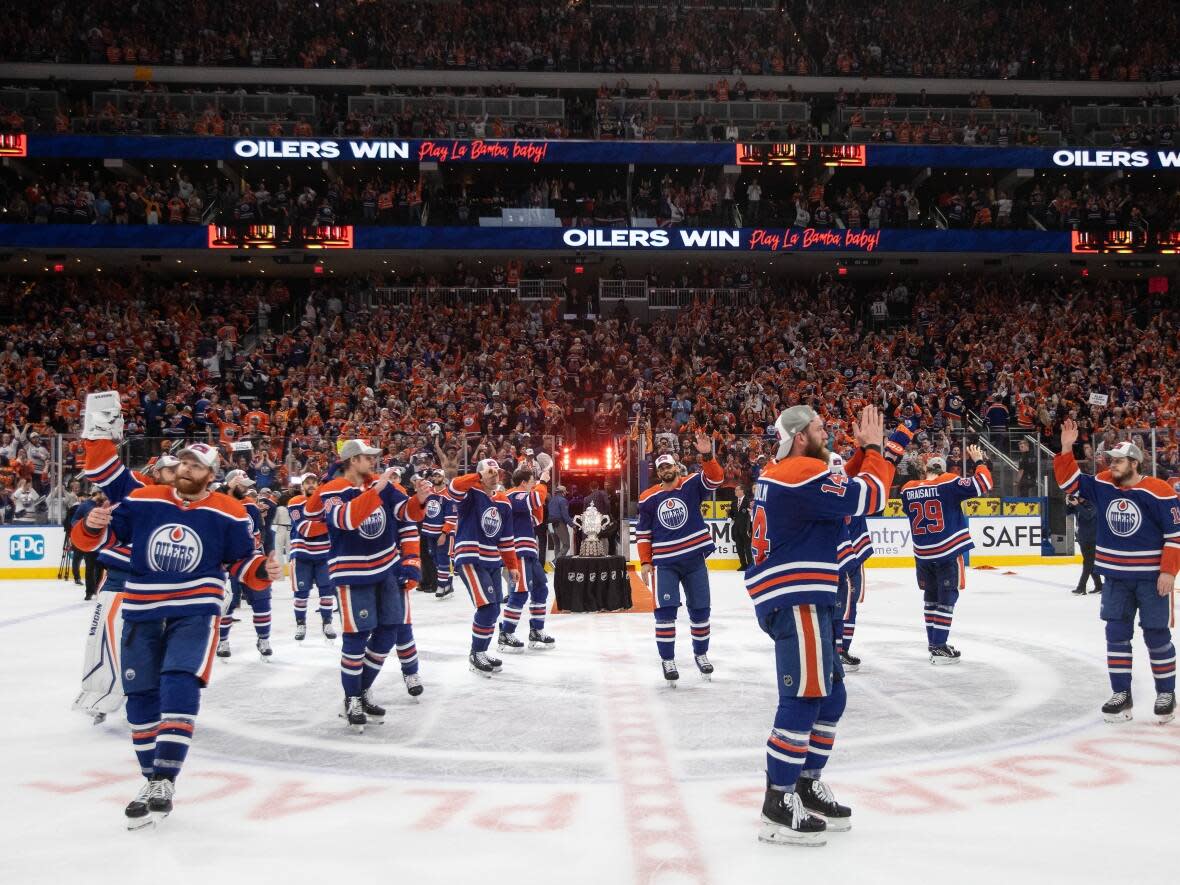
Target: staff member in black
739, 515
1086, 518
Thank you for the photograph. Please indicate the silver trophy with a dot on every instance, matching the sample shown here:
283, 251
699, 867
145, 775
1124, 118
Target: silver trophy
592, 524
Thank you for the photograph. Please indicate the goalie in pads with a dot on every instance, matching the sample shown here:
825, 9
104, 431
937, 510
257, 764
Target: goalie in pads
102, 690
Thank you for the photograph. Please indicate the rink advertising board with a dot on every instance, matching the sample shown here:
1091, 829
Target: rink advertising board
540, 151
999, 540
30, 551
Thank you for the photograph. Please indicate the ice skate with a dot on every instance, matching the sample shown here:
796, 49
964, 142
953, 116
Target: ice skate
159, 801
851, 663
671, 674
786, 822
329, 631
705, 668
508, 644
480, 663
818, 800
264, 648
137, 814
223, 649
374, 712
1165, 707
355, 714
941, 655
539, 639
413, 684
300, 632
445, 592
1118, 708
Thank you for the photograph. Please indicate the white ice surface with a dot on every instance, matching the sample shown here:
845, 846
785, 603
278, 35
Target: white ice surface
579, 766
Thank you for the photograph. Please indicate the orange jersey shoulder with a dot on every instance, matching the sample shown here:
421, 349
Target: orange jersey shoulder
796, 471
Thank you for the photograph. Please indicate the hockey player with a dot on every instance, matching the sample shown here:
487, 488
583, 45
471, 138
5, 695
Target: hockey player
1138, 553
798, 518
364, 516
527, 499
403, 640
483, 546
182, 540
309, 559
940, 535
237, 485
102, 690
857, 548
673, 543
437, 529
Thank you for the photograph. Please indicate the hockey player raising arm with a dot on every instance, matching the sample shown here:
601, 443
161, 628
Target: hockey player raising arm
798, 520
182, 539
1137, 551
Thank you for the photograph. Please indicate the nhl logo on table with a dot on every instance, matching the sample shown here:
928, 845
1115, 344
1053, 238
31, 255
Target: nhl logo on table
1123, 517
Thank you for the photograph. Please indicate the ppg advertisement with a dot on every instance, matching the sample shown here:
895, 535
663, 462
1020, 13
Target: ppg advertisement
31, 551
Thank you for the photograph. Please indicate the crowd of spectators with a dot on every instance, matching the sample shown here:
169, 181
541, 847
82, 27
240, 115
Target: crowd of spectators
206, 358
1017, 39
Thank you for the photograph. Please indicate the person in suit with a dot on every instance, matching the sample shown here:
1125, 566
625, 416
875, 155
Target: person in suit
1086, 531
739, 516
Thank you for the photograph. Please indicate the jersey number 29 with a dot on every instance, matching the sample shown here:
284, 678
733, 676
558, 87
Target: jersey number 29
926, 517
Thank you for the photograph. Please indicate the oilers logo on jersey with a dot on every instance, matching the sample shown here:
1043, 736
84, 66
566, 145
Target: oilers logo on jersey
490, 522
433, 508
1123, 517
672, 513
374, 524
174, 548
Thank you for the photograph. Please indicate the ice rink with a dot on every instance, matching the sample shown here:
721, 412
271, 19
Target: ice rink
580, 766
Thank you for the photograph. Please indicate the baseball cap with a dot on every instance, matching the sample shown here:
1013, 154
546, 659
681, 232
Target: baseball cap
163, 461
238, 475
1126, 450
936, 462
528, 452
665, 459
355, 447
485, 464
437, 474
789, 423
836, 463
205, 454
297, 479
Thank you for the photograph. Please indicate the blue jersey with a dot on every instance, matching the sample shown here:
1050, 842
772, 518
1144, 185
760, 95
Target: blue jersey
670, 526
309, 532
528, 512
1138, 528
798, 521
440, 515
856, 545
369, 531
935, 510
180, 551
483, 533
